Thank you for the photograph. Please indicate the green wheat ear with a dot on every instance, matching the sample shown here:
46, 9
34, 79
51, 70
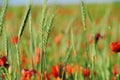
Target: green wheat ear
42, 23
23, 24
48, 29
2, 16
83, 12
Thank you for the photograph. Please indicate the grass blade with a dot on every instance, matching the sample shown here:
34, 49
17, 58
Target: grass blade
24, 22
31, 35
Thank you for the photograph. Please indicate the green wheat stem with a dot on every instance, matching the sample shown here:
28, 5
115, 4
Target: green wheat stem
68, 56
70, 24
93, 57
69, 52
6, 44
31, 38
70, 49
83, 12
31, 35
2, 16
18, 59
23, 24
49, 27
47, 30
42, 23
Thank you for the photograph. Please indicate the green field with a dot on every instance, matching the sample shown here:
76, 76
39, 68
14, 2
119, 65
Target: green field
60, 42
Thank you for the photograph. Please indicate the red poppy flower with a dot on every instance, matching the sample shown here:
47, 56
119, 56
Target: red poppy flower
115, 47
24, 60
3, 62
46, 76
38, 76
69, 69
26, 74
57, 39
86, 72
90, 38
14, 40
55, 71
37, 55
115, 70
3, 76
113, 78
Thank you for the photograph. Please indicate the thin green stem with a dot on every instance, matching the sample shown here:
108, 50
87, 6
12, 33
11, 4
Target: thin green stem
18, 59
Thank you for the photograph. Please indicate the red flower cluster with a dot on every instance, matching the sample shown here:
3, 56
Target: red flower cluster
26, 74
115, 46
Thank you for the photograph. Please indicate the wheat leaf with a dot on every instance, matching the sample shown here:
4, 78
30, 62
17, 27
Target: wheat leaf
24, 22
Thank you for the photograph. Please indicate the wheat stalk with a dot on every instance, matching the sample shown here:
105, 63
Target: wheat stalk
48, 29
83, 11
2, 16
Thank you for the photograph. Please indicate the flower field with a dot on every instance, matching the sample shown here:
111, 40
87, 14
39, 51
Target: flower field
60, 42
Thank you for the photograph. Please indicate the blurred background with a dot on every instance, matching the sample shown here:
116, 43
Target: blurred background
67, 9
23, 2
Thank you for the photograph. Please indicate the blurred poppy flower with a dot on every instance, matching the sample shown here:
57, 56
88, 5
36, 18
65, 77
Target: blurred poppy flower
38, 76
90, 38
3, 62
97, 22
97, 37
58, 78
14, 40
68, 43
23, 60
95, 73
69, 69
46, 76
57, 39
115, 70
8, 16
55, 71
113, 78
115, 47
86, 72
26, 74
3, 76
37, 55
